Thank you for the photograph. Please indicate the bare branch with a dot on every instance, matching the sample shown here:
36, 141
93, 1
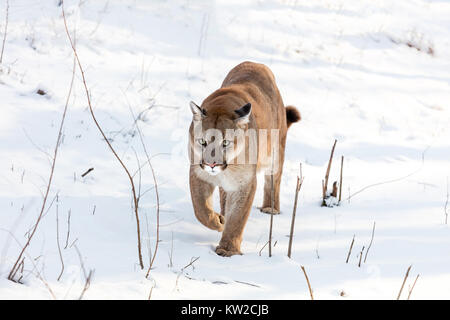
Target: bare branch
87, 276
340, 183
21, 265
327, 174
49, 183
370, 244
91, 110
291, 234
272, 200
193, 259
68, 229
155, 183
247, 283
87, 172
57, 242
263, 248
360, 256
404, 280
412, 288
350, 250
307, 281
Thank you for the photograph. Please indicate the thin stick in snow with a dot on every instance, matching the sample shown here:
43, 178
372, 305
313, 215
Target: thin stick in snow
327, 174
151, 291
370, 244
412, 288
68, 229
155, 183
87, 276
307, 281
21, 265
350, 250
193, 259
91, 110
14, 269
263, 248
360, 257
291, 234
87, 172
87, 284
57, 241
403, 284
247, 283
272, 194
340, 183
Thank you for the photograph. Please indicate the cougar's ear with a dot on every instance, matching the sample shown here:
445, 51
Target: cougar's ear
197, 111
244, 114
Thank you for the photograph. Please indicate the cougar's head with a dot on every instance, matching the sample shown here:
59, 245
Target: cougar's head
217, 136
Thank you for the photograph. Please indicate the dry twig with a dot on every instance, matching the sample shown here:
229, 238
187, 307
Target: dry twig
370, 244
350, 250
21, 265
272, 200
327, 174
68, 230
57, 242
263, 248
291, 234
155, 183
247, 283
87, 276
87, 172
14, 269
360, 256
412, 288
307, 281
340, 183
403, 284
91, 110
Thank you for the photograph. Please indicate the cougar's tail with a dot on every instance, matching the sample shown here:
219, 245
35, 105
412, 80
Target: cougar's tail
292, 115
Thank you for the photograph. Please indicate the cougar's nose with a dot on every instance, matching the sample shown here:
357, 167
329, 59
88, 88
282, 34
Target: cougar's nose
212, 165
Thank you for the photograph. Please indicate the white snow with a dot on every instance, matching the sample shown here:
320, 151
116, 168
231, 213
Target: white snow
361, 72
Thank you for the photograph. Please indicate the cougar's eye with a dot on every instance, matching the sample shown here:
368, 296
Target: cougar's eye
226, 143
202, 141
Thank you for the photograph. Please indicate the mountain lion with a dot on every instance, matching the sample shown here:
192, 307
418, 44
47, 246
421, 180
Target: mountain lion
237, 131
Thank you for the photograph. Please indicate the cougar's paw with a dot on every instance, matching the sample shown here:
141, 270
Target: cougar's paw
217, 222
269, 210
227, 253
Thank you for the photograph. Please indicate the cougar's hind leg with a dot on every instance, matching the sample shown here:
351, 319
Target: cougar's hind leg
201, 194
267, 201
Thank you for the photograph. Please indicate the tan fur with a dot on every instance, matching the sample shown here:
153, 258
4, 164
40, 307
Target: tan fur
246, 83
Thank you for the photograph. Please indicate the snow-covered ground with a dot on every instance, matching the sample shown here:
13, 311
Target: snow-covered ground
372, 74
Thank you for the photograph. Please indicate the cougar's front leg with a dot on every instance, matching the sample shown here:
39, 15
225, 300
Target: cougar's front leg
238, 206
201, 195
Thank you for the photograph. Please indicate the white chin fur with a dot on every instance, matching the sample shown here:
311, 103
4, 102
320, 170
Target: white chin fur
212, 171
